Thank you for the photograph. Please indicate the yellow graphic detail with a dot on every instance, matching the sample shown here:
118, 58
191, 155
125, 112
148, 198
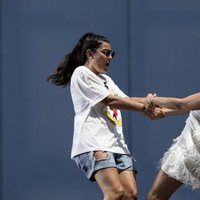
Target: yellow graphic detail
114, 117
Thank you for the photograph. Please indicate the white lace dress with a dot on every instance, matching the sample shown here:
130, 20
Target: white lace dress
182, 160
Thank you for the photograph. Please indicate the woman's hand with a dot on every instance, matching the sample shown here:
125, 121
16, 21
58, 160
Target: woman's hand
152, 111
148, 103
157, 113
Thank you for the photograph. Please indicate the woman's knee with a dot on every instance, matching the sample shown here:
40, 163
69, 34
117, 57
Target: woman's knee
131, 194
152, 196
117, 194
114, 196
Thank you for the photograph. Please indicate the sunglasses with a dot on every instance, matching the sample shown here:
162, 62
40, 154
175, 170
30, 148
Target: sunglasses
108, 52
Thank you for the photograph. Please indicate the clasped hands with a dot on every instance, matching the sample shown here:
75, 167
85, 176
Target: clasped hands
152, 110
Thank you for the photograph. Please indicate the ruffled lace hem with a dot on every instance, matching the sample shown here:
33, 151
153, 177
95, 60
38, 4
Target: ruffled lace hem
182, 160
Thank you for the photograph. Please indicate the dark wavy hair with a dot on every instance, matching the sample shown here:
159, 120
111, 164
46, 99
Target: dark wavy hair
77, 57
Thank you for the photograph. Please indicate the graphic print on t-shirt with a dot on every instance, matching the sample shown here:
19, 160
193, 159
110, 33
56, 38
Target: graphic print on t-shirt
114, 116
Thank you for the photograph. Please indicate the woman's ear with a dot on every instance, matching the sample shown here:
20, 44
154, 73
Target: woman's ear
89, 54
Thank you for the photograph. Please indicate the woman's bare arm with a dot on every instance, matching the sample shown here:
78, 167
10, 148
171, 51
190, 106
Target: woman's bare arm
186, 104
123, 103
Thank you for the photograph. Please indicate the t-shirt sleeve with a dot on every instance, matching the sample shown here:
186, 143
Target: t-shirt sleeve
91, 87
120, 92
117, 91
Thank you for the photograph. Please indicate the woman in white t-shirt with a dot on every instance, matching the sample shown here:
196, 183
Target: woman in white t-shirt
99, 148
181, 163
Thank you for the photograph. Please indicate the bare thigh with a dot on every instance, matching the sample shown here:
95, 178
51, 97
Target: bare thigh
109, 181
163, 187
107, 178
128, 181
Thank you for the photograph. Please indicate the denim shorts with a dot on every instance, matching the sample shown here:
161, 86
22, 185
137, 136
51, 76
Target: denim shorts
88, 164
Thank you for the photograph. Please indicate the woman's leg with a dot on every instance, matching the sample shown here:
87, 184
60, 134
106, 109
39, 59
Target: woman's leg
163, 187
128, 181
110, 184
115, 185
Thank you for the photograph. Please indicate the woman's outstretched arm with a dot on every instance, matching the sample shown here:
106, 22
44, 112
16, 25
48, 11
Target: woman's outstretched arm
185, 104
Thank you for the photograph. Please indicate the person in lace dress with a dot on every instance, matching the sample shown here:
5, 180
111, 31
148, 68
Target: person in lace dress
181, 163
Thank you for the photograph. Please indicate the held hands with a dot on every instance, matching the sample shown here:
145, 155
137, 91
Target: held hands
152, 110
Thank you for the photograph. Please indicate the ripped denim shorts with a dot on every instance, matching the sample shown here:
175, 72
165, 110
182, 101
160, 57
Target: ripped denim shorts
89, 163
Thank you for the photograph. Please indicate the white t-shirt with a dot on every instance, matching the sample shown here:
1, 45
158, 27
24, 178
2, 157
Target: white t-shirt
96, 126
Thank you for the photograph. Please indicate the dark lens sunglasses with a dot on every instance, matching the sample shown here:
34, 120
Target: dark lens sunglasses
108, 52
